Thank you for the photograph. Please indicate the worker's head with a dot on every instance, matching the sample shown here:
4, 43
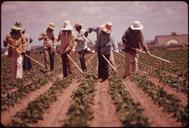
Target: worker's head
78, 27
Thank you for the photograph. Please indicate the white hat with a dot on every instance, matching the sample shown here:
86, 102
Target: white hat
17, 26
107, 27
136, 25
67, 25
51, 26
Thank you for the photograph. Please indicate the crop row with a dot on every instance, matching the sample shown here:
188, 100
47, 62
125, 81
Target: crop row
36, 108
80, 111
169, 102
178, 58
180, 85
129, 112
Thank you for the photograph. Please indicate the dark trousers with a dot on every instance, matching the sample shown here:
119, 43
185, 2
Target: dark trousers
82, 59
49, 59
27, 62
66, 66
103, 72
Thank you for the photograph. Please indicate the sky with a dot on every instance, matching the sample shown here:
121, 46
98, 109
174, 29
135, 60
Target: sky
157, 17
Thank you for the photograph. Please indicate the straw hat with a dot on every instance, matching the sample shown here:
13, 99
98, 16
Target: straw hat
17, 26
67, 25
107, 27
51, 26
136, 25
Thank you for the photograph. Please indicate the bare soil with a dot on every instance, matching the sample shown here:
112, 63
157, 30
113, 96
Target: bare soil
157, 117
7, 115
104, 109
170, 90
56, 114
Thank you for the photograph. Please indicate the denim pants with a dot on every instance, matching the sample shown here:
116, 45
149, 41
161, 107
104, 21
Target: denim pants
27, 62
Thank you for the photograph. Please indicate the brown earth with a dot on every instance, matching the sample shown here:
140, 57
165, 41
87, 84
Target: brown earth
157, 117
170, 90
8, 114
104, 109
56, 114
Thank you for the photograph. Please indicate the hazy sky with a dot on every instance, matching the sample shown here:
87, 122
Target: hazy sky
158, 18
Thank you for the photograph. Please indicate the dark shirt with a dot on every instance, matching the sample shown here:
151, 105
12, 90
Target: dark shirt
133, 39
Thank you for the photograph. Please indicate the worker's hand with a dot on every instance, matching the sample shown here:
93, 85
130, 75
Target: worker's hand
117, 51
148, 53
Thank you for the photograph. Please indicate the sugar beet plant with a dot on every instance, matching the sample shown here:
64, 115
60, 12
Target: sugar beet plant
80, 111
130, 113
169, 102
36, 108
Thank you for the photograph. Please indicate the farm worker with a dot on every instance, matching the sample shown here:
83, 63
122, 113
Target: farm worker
81, 46
48, 49
66, 39
17, 40
26, 61
133, 38
103, 47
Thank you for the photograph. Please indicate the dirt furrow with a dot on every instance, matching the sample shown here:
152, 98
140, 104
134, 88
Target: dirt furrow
56, 114
157, 117
104, 109
182, 97
7, 115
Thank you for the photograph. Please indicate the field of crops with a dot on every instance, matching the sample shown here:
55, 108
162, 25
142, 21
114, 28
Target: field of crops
156, 96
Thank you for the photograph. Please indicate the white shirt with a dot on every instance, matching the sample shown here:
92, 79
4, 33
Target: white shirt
81, 44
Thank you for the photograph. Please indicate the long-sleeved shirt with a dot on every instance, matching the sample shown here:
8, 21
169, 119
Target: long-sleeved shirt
104, 41
133, 39
66, 41
48, 38
82, 42
16, 40
27, 37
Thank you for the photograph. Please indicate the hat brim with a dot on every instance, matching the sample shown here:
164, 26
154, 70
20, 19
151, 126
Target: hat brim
51, 28
67, 28
136, 28
106, 30
16, 28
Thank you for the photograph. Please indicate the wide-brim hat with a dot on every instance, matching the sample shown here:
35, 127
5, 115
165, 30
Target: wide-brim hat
51, 26
107, 27
17, 26
67, 26
136, 25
